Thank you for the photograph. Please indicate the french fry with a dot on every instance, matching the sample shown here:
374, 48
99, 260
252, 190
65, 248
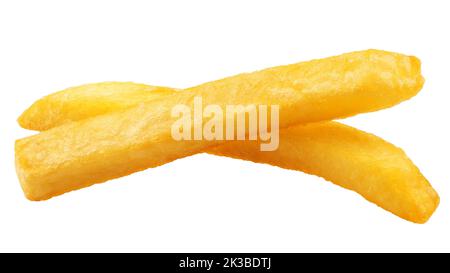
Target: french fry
94, 150
348, 157
324, 89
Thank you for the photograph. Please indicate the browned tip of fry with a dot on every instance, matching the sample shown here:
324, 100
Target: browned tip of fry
416, 68
401, 73
30, 118
427, 203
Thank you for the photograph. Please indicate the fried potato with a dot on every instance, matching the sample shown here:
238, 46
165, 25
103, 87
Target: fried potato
353, 159
79, 154
348, 157
339, 86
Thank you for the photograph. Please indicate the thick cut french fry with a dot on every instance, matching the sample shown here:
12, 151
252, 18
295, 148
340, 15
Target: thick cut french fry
353, 159
82, 153
348, 157
334, 87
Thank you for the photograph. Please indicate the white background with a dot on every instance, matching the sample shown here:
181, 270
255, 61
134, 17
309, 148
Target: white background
207, 203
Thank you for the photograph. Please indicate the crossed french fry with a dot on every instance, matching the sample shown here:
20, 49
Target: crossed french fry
97, 132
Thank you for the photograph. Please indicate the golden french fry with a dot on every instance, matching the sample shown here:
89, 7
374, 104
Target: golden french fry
359, 87
353, 159
82, 153
348, 157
